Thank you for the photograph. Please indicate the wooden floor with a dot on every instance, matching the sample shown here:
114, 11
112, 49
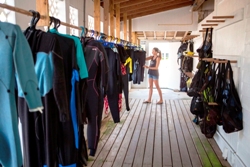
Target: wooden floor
155, 135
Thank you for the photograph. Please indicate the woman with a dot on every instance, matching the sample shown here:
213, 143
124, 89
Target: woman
153, 74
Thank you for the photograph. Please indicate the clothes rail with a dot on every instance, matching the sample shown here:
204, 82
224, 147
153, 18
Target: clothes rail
28, 13
218, 60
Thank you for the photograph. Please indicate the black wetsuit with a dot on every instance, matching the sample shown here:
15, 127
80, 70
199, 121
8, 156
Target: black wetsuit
96, 60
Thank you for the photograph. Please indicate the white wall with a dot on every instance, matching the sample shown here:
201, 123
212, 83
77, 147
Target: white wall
231, 41
183, 20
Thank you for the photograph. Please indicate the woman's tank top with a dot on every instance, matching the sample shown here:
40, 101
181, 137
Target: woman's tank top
153, 64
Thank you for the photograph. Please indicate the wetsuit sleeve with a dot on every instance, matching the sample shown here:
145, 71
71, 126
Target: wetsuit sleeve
25, 71
104, 69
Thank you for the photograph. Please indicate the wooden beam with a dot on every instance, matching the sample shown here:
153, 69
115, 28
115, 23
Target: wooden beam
97, 15
223, 17
176, 34
120, 1
118, 16
125, 26
209, 24
197, 4
112, 24
134, 2
144, 33
215, 21
156, 8
106, 18
42, 6
154, 35
134, 38
151, 4
130, 30
153, 11
165, 35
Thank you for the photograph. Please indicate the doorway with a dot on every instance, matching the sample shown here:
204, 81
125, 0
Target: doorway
169, 68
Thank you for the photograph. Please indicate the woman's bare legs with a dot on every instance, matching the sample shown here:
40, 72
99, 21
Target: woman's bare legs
159, 91
150, 83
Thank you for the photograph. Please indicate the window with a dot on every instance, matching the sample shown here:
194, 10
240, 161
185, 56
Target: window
73, 17
5, 14
57, 10
91, 22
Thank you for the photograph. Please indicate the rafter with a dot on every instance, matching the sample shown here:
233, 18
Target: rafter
154, 35
165, 35
134, 2
175, 34
160, 9
145, 36
197, 4
119, 1
150, 4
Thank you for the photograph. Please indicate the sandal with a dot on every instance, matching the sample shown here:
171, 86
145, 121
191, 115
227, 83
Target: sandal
147, 102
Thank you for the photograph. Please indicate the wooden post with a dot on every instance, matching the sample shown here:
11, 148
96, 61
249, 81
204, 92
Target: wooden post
125, 26
106, 17
138, 42
42, 6
133, 37
118, 15
97, 15
111, 11
130, 30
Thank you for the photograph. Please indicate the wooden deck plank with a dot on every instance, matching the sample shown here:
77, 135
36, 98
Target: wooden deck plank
148, 156
119, 134
166, 149
129, 158
209, 150
129, 132
140, 150
213, 160
157, 158
188, 131
198, 143
108, 136
176, 157
185, 159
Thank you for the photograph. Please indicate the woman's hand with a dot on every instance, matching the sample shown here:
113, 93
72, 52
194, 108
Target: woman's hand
145, 66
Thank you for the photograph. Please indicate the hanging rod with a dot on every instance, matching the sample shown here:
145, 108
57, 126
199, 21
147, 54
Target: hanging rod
217, 60
209, 24
28, 13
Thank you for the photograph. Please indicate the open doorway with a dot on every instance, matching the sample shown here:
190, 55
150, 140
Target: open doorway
169, 68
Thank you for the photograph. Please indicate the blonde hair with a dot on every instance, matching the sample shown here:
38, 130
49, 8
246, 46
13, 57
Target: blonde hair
158, 51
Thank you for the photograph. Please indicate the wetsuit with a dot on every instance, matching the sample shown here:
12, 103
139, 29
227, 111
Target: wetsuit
96, 60
113, 83
16, 65
41, 132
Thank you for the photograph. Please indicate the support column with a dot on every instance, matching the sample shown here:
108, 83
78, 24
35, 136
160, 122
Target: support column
97, 15
106, 17
112, 25
130, 30
125, 26
42, 6
118, 20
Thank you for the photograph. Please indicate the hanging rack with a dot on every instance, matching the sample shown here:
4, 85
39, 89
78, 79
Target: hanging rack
29, 13
215, 60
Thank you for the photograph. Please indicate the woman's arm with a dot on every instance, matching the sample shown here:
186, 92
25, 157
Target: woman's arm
158, 59
149, 57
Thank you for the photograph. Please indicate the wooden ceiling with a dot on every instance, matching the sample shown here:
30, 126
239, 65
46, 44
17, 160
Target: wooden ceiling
139, 8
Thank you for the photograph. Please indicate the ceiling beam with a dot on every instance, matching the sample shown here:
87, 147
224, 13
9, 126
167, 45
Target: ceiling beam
165, 35
175, 35
153, 11
149, 4
119, 1
145, 36
154, 35
134, 2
